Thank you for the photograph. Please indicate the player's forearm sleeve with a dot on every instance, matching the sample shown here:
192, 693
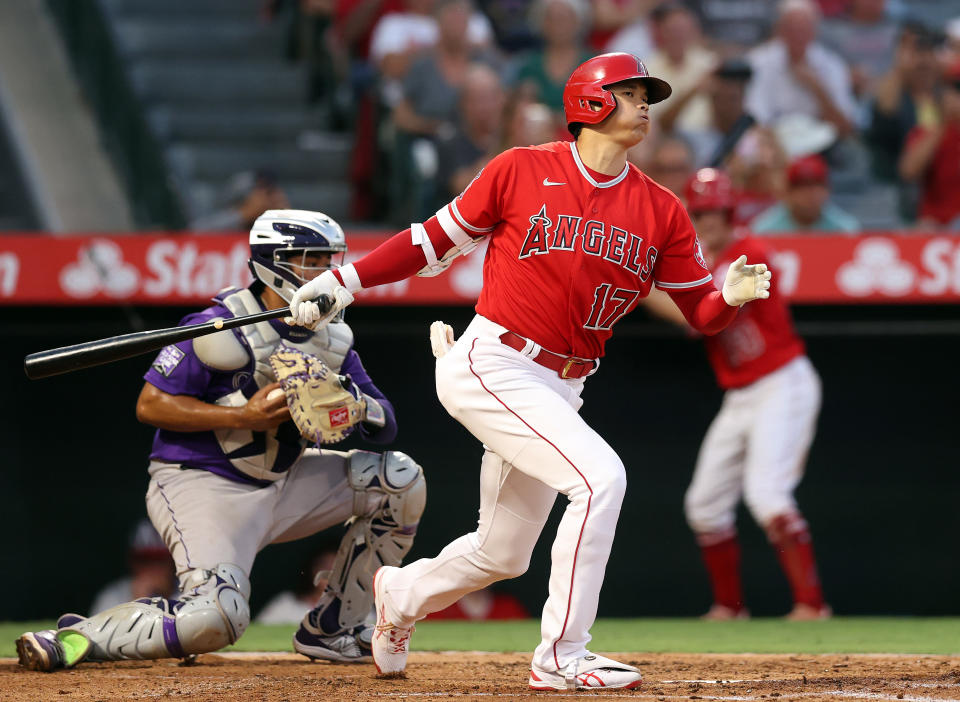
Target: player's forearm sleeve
704, 308
395, 259
353, 366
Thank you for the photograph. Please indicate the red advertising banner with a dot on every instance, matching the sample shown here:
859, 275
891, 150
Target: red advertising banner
185, 269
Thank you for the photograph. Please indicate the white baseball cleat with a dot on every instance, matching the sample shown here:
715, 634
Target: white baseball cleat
391, 643
590, 672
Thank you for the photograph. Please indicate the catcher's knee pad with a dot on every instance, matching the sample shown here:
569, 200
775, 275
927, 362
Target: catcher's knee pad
212, 615
380, 533
395, 476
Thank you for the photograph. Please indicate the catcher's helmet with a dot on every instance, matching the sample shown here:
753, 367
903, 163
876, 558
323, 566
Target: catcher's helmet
282, 239
589, 81
709, 189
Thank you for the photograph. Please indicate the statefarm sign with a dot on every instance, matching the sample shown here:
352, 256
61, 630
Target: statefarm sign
185, 269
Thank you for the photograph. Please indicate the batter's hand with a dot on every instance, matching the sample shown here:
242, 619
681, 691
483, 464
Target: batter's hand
261, 414
744, 282
441, 338
304, 311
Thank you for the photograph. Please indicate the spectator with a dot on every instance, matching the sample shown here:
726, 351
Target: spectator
834, 8
610, 17
151, 571
865, 38
681, 60
431, 89
952, 48
428, 110
670, 164
793, 74
485, 604
541, 75
932, 156
291, 606
528, 123
310, 39
904, 97
733, 26
399, 36
805, 205
355, 21
477, 137
635, 38
758, 167
725, 89
247, 196
510, 26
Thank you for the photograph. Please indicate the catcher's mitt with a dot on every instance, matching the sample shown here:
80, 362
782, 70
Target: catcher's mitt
323, 410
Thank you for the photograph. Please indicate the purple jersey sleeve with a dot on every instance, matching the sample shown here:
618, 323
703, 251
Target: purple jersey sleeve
353, 367
177, 370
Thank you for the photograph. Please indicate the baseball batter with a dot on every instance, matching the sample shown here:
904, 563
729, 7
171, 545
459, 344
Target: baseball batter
229, 473
577, 236
756, 447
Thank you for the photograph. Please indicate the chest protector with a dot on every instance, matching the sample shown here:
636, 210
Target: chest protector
267, 455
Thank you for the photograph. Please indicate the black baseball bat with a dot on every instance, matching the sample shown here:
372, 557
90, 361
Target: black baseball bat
65, 359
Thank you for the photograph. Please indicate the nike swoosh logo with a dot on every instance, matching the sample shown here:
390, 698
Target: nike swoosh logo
547, 181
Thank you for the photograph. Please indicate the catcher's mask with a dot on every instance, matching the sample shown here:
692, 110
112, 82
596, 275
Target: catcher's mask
281, 241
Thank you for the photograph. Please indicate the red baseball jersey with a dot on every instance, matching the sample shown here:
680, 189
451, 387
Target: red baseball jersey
570, 254
762, 338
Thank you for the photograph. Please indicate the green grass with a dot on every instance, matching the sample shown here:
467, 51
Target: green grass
838, 635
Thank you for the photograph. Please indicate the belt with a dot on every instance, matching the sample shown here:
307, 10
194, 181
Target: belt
564, 366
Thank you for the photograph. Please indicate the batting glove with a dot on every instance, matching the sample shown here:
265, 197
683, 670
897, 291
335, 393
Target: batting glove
744, 283
304, 311
441, 338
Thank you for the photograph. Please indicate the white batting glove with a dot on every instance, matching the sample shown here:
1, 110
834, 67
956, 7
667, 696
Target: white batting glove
441, 338
304, 311
744, 283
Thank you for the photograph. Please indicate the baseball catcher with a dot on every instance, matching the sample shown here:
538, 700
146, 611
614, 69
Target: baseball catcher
240, 460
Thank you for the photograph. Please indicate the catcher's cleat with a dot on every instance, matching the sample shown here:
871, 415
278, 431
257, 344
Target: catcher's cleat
67, 620
48, 650
341, 648
391, 643
591, 672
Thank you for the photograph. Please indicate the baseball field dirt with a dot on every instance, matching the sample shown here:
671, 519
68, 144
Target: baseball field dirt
279, 677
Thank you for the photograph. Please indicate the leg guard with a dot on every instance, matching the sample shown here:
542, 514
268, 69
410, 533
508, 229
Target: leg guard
211, 615
376, 536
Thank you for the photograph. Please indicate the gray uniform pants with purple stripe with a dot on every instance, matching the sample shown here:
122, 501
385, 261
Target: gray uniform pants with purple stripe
206, 519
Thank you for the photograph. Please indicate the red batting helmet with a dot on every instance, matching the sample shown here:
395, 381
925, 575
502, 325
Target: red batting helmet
589, 81
709, 189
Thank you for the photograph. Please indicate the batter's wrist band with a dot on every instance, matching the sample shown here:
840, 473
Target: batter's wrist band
348, 278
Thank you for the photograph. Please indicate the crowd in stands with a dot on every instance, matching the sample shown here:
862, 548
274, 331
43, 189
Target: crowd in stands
828, 114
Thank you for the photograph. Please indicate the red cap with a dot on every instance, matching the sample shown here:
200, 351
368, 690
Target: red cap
952, 73
709, 189
808, 170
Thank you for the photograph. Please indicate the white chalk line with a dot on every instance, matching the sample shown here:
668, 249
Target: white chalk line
604, 694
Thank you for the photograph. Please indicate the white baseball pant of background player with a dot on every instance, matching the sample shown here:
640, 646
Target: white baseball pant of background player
536, 447
314, 495
756, 448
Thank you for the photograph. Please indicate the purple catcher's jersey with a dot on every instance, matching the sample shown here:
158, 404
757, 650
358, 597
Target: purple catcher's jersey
177, 371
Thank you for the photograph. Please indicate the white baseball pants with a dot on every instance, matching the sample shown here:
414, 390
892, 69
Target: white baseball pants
206, 519
536, 446
756, 448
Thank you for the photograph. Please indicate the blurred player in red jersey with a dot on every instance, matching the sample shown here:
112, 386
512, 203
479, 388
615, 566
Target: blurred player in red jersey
756, 447
577, 236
